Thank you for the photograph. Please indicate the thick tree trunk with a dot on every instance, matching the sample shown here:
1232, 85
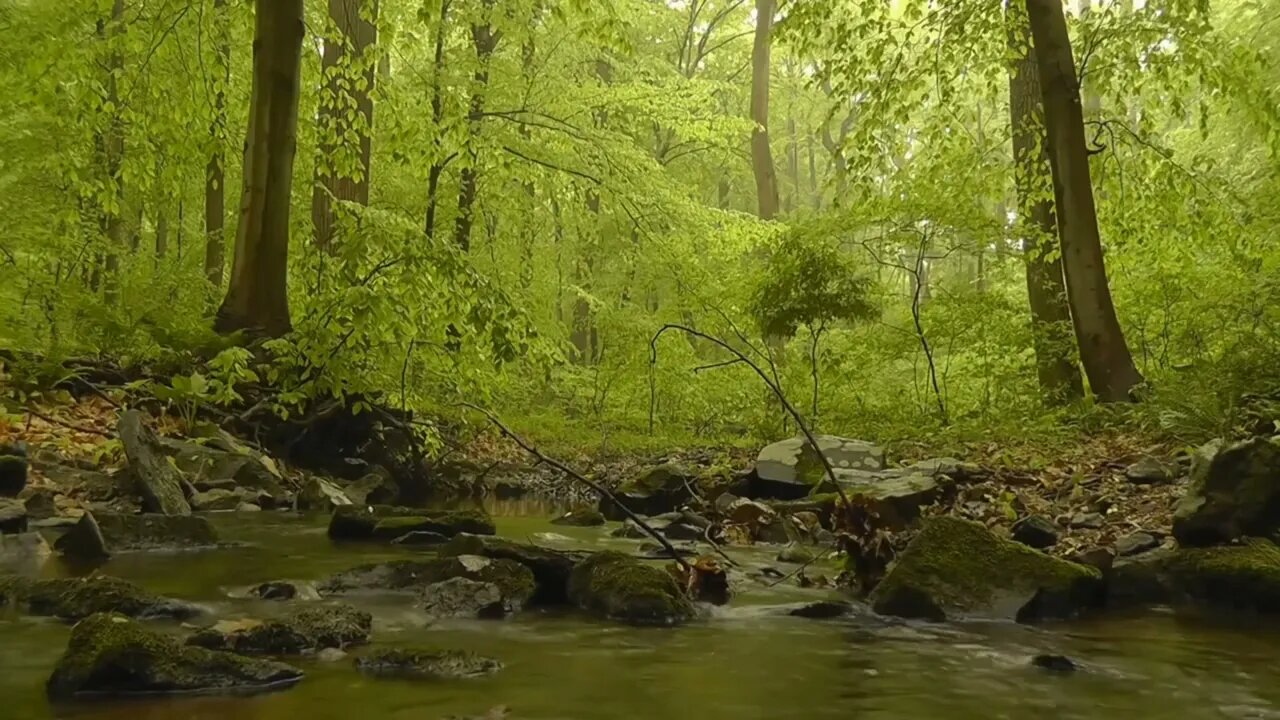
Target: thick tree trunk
257, 298
761, 155
215, 207
485, 40
1056, 365
1107, 362
349, 71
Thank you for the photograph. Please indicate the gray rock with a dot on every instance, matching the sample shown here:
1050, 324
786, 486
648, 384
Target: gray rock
40, 503
224, 459
386, 523
320, 494
1101, 558
120, 532
13, 469
777, 531
284, 590
1035, 531
13, 517
790, 469
551, 568
426, 664
1232, 579
462, 598
158, 481
213, 500
1149, 471
1088, 521
84, 541
76, 598
659, 490
245, 507
1234, 492
331, 655
1136, 543
307, 630
375, 488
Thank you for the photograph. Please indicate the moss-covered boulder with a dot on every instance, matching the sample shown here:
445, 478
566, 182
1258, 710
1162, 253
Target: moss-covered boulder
550, 568
658, 490
957, 568
1230, 577
386, 523
1234, 492
412, 664
99, 534
112, 655
463, 598
514, 579
619, 587
300, 632
76, 598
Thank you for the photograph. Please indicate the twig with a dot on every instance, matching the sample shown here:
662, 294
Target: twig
800, 569
70, 425
603, 492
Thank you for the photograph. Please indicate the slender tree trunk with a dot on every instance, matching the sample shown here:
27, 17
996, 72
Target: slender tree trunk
1107, 361
350, 72
485, 40
1056, 366
111, 147
215, 210
761, 155
257, 297
437, 117
793, 164
162, 232
815, 190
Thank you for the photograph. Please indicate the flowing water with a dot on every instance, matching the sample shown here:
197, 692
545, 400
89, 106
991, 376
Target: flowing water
744, 663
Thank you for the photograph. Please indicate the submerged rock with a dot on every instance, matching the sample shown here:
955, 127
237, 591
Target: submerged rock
462, 598
159, 482
386, 523
307, 630
550, 568
426, 664
76, 598
515, 581
659, 490
1244, 577
582, 517
13, 517
112, 655
619, 587
956, 568
1035, 531
96, 534
1234, 492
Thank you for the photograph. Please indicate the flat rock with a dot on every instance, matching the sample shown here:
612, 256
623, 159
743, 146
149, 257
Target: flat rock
284, 590
514, 580
159, 482
1136, 543
1088, 521
1150, 471
76, 598
112, 655
374, 488
790, 469
411, 664
40, 503
797, 554
221, 459
307, 630
214, 500
117, 532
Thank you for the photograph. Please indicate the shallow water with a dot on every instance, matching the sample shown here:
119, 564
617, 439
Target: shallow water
743, 663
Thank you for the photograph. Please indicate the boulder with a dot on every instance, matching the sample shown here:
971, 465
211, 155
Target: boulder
109, 532
407, 664
1054, 663
551, 568
582, 517
112, 655
308, 630
386, 523
222, 462
1234, 492
76, 598
1035, 531
659, 490
1136, 543
619, 587
13, 469
1232, 578
13, 517
514, 579
41, 503
159, 482
321, 494
462, 598
1149, 471
791, 469
957, 568
375, 488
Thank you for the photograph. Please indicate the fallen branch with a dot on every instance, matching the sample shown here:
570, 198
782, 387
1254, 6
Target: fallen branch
70, 425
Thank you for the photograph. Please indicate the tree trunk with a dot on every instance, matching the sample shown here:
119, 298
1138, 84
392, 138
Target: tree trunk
437, 116
110, 144
761, 156
257, 298
1056, 365
1107, 362
486, 41
215, 210
349, 71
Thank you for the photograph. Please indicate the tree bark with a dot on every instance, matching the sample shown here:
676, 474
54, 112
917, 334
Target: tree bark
350, 73
1107, 361
110, 145
437, 116
1056, 366
257, 299
215, 208
761, 156
485, 40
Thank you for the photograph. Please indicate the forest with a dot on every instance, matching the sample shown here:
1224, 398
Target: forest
851, 310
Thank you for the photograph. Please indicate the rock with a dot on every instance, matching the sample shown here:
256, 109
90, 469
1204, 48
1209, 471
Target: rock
1135, 543
550, 537
13, 517
421, 537
117, 533
76, 598
375, 488
1101, 558
584, 517
1035, 531
222, 460
212, 500
778, 531
725, 501
680, 531
796, 554
1088, 521
113, 655
460, 597
551, 568
245, 507
1235, 578
41, 503
514, 579
661, 489
13, 469
23, 553
791, 469
426, 664
821, 610
158, 481
320, 494
957, 568
619, 587
307, 630
632, 530
331, 655
654, 551
1234, 492
386, 523
1054, 663
1149, 471
284, 590
750, 513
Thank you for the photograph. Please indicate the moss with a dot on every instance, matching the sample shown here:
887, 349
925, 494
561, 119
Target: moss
1234, 491
110, 654
1245, 576
75, 598
426, 664
550, 568
304, 631
382, 522
514, 579
142, 532
959, 567
619, 587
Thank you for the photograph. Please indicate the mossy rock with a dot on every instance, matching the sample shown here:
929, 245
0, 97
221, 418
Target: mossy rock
957, 568
514, 579
120, 532
550, 568
303, 631
658, 490
13, 471
619, 587
414, 664
1230, 577
582, 517
76, 598
1234, 492
387, 523
109, 654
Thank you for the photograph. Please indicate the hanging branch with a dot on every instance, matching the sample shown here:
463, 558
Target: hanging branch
599, 489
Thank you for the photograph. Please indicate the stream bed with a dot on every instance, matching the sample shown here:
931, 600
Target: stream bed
745, 662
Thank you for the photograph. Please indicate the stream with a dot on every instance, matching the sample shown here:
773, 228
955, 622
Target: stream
745, 662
